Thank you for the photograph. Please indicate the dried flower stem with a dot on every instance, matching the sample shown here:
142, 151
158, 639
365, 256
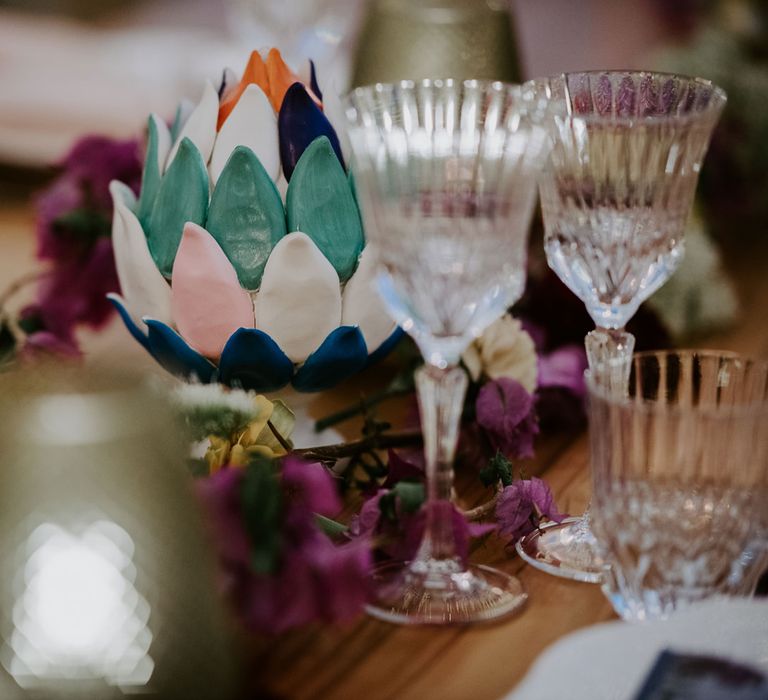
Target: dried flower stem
330, 453
278, 436
18, 284
479, 512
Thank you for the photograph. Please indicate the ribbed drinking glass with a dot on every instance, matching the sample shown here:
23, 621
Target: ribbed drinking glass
615, 197
680, 480
446, 173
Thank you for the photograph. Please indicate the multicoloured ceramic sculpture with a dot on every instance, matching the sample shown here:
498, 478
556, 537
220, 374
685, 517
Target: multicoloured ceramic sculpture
223, 278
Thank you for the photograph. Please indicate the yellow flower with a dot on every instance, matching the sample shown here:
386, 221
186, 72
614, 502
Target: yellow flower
258, 438
504, 350
217, 454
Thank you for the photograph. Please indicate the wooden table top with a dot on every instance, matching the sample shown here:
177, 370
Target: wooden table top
373, 660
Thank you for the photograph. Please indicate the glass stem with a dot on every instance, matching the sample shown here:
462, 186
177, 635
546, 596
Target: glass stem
609, 353
441, 398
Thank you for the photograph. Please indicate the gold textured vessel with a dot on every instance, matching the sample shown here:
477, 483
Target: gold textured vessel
413, 39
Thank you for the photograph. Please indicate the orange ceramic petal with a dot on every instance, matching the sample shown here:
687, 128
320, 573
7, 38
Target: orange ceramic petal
207, 301
281, 77
255, 72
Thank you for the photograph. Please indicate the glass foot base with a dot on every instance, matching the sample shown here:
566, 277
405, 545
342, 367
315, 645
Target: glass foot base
563, 549
478, 594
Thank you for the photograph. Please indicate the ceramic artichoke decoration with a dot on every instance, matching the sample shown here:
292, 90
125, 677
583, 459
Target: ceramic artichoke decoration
223, 278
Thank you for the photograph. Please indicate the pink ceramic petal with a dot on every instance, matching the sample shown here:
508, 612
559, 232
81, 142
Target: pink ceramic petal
207, 300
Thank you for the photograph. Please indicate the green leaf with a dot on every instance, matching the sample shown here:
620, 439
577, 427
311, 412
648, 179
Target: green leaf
85, 223
246, 216
182, 197
321, 204
151, 176
410, 494
330, 527
261, 503
499, 469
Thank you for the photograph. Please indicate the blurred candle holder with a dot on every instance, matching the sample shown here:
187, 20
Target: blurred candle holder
680, 480
415, 39
107, 587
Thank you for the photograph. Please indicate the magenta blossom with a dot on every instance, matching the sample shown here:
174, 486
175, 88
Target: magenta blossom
564, 368
400, 539
521, 506
74, 233
315, 579
505, 412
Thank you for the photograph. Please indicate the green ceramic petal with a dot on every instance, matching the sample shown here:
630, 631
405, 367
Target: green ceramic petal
150, 179
246, 216
182, 197
320, 203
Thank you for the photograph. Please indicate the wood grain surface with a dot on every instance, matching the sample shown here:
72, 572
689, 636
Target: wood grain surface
373, 660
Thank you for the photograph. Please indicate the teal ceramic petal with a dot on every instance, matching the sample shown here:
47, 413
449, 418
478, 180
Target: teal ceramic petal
173, 353
342, 354
150, 179
246, 216
253, 361
182, 197
117, 301
353, 188
320, 203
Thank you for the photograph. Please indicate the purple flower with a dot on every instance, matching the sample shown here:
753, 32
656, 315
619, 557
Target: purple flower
41, 343
564, 368
505, 411
400, 539
522, 504
94, 161
404, 467
315, 579
73, 232
75, 292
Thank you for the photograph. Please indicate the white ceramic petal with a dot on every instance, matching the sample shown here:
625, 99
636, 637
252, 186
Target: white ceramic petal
144, 288
361, 304
252, 123
299, 302
163, 141
200, 128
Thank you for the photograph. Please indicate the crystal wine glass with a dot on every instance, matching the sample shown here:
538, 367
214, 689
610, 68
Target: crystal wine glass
446, 172
615, 197
680, 480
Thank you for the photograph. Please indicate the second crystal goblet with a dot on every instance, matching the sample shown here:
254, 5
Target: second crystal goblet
446, 172
615, 198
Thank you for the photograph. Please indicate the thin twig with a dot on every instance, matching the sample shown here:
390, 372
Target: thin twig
359, 407
479, 512
19, 284
283, 442
400, 438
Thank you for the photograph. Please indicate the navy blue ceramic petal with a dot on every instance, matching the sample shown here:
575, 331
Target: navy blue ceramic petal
386, 347
253, 361
117, 301
342, 354
299, 123
313, 81
173, 353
